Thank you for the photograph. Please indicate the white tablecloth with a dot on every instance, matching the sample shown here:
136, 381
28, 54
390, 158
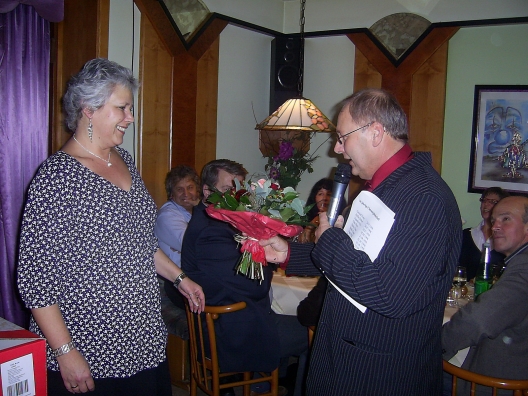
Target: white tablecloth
286, 292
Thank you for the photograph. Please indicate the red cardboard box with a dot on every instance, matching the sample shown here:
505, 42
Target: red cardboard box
22, 362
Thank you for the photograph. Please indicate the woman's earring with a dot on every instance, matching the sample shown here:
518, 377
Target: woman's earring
90, 129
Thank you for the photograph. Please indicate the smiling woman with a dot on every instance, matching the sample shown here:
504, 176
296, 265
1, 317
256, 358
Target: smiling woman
87, 240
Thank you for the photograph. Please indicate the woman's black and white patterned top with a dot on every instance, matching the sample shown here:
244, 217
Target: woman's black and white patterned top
89, 247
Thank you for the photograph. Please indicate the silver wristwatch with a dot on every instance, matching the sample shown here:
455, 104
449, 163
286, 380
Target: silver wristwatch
64, 349
178, 279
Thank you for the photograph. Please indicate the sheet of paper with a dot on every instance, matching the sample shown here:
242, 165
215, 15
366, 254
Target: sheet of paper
359, 306
368, 225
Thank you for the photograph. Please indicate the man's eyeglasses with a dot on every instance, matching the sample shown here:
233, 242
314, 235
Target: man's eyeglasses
488, 200
340, 137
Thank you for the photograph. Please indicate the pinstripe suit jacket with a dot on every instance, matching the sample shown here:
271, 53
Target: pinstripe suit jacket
394, 347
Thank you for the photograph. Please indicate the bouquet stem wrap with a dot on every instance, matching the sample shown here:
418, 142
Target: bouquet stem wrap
257, 226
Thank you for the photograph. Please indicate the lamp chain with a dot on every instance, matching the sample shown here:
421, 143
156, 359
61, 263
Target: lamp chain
301, 50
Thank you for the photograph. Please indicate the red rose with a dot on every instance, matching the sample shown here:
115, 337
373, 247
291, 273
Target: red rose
274, 186
239, 193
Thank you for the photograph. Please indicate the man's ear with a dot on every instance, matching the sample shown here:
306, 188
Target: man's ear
377, 132
526, 232
205, 191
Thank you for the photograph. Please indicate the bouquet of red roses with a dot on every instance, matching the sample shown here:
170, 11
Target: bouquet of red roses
261, 210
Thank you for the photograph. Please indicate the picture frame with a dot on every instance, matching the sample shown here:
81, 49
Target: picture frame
499, 143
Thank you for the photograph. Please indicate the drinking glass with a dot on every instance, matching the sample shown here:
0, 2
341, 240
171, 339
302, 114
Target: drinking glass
459, 280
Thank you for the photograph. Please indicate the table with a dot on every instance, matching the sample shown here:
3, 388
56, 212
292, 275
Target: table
288, 291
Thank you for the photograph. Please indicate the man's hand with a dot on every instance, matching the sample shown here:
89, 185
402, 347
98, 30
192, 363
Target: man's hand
324, 225
276, 249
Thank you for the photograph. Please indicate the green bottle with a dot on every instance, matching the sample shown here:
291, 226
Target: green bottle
484, 280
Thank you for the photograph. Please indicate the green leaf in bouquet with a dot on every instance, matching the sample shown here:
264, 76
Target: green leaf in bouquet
231, 202
214, 198
274, 213
307, 209
287, 213
264, 211
290, 196
245, 200
298, 207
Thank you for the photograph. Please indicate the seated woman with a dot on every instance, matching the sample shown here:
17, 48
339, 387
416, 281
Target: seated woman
309, 309
320, 197
474, 238
182, 185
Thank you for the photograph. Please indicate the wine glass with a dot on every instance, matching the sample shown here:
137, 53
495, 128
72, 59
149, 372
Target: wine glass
459, 280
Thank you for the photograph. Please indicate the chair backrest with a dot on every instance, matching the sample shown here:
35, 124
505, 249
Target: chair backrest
519, 387
203, 352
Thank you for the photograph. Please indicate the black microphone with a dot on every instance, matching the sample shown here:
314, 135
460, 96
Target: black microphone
342, 177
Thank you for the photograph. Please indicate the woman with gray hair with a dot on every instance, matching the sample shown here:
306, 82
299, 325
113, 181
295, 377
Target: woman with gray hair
88, 255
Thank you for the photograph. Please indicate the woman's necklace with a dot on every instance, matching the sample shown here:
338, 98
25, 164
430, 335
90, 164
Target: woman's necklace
95, 155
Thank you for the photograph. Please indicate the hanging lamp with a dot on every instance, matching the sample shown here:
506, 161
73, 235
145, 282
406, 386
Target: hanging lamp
297, 118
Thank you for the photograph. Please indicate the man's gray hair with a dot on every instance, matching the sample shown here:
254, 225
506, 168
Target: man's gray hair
374, 104
210, 171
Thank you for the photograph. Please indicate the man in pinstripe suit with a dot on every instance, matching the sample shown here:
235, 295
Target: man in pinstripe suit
394, 347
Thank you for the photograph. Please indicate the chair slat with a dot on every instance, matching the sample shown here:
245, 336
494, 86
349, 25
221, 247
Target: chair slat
205, 372
519, 386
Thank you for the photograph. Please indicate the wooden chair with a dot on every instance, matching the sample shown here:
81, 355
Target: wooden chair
205, 372
519, 387
311, 333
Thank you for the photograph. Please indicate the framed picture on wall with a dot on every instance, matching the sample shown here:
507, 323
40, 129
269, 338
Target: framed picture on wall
499, 145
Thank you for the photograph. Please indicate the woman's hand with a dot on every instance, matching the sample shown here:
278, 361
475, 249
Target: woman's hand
75, 372
194, 294
307, 235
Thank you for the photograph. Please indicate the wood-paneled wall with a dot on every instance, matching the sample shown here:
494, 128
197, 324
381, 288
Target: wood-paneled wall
155, 112
418, 83
179, 87
81, 36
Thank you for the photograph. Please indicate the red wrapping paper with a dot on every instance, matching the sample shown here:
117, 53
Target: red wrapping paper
255, 225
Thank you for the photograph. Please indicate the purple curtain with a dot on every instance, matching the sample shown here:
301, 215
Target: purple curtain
24, 134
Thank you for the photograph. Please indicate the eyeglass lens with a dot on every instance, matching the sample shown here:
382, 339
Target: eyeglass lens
489, 200
340, 138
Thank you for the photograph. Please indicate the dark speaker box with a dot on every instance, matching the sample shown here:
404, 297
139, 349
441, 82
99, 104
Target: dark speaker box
285, 66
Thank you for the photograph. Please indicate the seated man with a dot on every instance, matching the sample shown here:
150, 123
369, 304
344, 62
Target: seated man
182, 185
255, 338
495, 326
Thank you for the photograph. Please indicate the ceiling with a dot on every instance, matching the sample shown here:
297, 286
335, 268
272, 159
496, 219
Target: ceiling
325, 15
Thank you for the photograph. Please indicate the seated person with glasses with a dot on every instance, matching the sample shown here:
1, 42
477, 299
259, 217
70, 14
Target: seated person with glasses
474, 238
255, 338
